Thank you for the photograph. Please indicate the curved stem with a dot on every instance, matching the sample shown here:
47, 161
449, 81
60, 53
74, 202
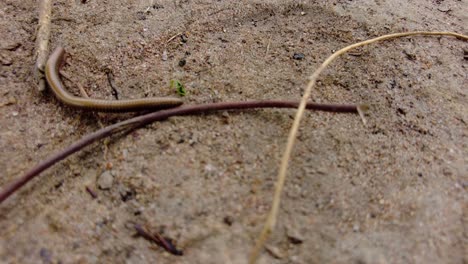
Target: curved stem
142, 120
271, 219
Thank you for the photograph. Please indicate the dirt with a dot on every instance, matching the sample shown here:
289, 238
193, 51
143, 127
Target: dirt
391, 191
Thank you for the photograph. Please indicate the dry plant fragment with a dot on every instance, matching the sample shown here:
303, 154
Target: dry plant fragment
143, 120
159, 240
272, 216
42, 43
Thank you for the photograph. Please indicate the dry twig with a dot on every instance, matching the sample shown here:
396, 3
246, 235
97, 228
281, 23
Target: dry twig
143, 120
159, 240
42, 43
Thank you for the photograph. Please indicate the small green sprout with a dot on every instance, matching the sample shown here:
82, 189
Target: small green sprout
180, 88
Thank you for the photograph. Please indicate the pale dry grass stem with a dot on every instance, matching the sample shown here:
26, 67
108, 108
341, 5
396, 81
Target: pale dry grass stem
272, 216
42, 43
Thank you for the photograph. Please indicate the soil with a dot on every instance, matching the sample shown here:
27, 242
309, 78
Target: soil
391, 191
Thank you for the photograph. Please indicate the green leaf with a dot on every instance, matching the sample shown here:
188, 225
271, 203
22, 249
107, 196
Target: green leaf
180, 88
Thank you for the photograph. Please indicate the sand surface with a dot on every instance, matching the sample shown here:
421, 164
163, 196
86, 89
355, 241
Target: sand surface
391, 191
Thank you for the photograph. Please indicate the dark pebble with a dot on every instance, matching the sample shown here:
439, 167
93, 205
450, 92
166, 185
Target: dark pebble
126, 194
182, 62
46, 255
141, 15
228, 220
183, 38
298, 56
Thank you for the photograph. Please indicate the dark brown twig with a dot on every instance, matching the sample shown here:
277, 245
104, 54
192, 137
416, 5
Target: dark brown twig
159, 240
142, 120
91, 192
110, 78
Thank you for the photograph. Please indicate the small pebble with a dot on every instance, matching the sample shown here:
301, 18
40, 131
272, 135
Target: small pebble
445, 10
356, 228
89, 174
274, 251
210, 170
12, 46
11, 100
6, 61
182, 62
105, 180
141, 15
46, 255
295, 236
298, 56
126, 194
183, 38
225, 114
294, 259
164, 55
125, 154
228, 220
158, 6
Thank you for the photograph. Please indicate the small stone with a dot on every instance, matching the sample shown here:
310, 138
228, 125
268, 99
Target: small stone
410, 56
295, 236
368, 256
274, 252
228, 220
164, 55
6, 61
210, 170
183, 38
182, 62
356, 227
89, 174
126, 194
444, 10
105, 180
125, 154
141, 15
225, 117
158, 6
11, 100
12, 46
298, 56
46, 255
294, 259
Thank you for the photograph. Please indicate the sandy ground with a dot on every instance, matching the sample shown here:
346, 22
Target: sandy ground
393, 191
